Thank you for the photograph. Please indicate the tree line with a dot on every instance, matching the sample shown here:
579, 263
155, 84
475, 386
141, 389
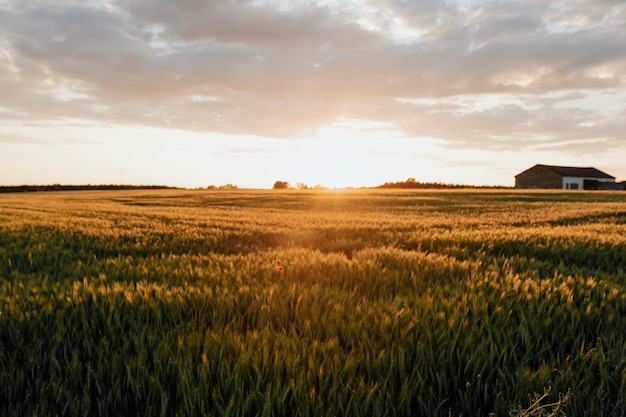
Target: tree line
413, 183
60, 187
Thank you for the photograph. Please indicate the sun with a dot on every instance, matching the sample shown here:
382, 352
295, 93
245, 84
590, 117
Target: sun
344, 154
328, 168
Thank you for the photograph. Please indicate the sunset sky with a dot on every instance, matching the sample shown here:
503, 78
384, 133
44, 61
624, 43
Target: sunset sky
334, 92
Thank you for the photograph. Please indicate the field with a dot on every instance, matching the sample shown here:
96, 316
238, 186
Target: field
312, 303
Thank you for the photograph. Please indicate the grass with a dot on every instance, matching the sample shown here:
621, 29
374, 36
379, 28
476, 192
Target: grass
386, 302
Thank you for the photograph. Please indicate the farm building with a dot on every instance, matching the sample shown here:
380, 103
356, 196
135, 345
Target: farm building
566, 178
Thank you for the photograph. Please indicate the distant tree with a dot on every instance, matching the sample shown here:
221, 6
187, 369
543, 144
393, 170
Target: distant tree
281, 185
302, 186
228, 186
412, 183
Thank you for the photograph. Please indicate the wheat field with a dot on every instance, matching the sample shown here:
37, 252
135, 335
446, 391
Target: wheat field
313, 303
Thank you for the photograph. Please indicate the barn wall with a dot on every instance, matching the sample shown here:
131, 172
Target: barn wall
573, 183
612, 185
579, 183
539, 177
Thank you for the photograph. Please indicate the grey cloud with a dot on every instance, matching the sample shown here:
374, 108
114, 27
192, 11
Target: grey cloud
250, 23
588, 147
513, 127
284, 73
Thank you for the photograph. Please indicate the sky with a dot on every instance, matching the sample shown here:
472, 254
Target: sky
339, 93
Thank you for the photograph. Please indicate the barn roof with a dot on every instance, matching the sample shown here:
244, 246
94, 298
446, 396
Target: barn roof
586, 172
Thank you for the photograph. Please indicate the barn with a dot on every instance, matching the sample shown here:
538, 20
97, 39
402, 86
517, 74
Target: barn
566, 178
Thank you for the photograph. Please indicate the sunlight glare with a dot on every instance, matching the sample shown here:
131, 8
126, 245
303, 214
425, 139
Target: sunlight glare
352, 153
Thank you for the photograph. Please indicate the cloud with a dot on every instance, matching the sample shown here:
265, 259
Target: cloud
21, 140
285, 69
32, 140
